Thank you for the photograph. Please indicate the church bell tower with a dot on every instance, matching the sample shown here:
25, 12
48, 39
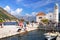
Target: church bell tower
56, 13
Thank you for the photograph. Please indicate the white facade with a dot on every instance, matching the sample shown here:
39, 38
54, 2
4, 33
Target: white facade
39, 18
51, 16
56, 13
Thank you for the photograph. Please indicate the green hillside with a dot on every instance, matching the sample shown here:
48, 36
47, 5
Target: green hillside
5, 15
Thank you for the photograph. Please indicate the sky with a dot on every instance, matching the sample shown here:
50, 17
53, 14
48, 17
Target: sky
28, 7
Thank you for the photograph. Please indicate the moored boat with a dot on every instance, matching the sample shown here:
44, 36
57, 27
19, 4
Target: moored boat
51, 36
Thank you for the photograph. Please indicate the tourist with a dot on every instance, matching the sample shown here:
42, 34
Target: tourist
25, 26
1, 25
19, 30
32, 24
21, 24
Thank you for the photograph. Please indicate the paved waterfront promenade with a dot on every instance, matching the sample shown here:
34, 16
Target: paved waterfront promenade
10, 31
5, 32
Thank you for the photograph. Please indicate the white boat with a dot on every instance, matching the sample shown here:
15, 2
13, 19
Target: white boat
50, 36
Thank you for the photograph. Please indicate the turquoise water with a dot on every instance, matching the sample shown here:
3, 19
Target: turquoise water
33, 35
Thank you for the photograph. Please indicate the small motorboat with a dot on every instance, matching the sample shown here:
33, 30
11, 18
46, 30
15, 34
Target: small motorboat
51, 36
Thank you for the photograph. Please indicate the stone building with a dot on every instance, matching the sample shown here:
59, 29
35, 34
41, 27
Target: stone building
54, 16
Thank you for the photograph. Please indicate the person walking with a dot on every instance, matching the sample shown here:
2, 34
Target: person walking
21, 24
25, 26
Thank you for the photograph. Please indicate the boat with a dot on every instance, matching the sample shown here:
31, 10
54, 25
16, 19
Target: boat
51, 36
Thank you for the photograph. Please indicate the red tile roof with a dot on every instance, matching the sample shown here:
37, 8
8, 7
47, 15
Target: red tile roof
41, 14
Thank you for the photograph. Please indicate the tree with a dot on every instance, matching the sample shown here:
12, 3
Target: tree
1, 20
45, 20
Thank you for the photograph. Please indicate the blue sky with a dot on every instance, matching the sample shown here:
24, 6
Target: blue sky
28, 7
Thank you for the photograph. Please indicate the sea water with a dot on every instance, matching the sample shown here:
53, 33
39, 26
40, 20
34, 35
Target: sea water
33, 35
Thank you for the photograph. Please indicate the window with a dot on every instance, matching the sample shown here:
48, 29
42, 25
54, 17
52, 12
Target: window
50, 15
40, 17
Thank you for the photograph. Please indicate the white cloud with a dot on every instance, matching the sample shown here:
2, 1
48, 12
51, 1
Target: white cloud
39, 4
7, 8
18, 10
28, 14
13, 12
34, 13
49, 10
42, 3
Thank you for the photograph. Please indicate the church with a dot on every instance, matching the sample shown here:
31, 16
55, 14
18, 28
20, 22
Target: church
50, 16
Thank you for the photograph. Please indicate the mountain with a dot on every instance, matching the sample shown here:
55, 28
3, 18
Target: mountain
28, 18
5, 15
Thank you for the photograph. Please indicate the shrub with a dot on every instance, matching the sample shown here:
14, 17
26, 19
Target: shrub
1, 20
45, 20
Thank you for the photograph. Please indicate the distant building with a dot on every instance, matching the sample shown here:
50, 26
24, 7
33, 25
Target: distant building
56, 13
50, 16
40, 16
